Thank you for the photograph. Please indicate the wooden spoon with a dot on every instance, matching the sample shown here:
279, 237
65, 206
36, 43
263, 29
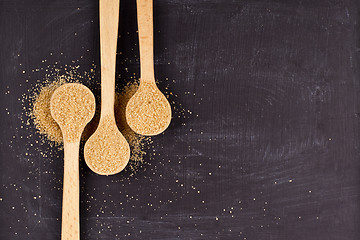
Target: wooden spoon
148, 112
107, 152
72, 106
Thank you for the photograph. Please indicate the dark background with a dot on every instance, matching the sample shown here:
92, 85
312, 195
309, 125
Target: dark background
264, 143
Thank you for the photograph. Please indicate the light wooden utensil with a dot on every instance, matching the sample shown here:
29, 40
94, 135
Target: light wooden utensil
107, 152
148, 112
72, 107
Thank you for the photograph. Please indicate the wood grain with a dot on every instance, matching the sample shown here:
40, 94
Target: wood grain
146, 39
70, 227
109, 22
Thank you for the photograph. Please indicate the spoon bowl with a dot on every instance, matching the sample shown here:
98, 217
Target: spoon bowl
72, 106
107, 152
148, 112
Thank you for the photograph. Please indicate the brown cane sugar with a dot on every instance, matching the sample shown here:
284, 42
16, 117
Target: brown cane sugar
107, 151
72, 106
148, 111
137, 142
47, 127
41, 114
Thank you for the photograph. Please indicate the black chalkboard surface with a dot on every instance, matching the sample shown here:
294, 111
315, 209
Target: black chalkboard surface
264, 143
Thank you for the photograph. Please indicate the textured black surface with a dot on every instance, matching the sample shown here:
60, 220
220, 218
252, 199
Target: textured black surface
268, 144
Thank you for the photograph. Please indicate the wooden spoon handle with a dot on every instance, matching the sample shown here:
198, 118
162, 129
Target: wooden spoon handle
109, 21
146, 39
70, 226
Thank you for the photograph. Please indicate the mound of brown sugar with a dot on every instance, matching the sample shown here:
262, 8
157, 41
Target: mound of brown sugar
137, 142
41, 114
